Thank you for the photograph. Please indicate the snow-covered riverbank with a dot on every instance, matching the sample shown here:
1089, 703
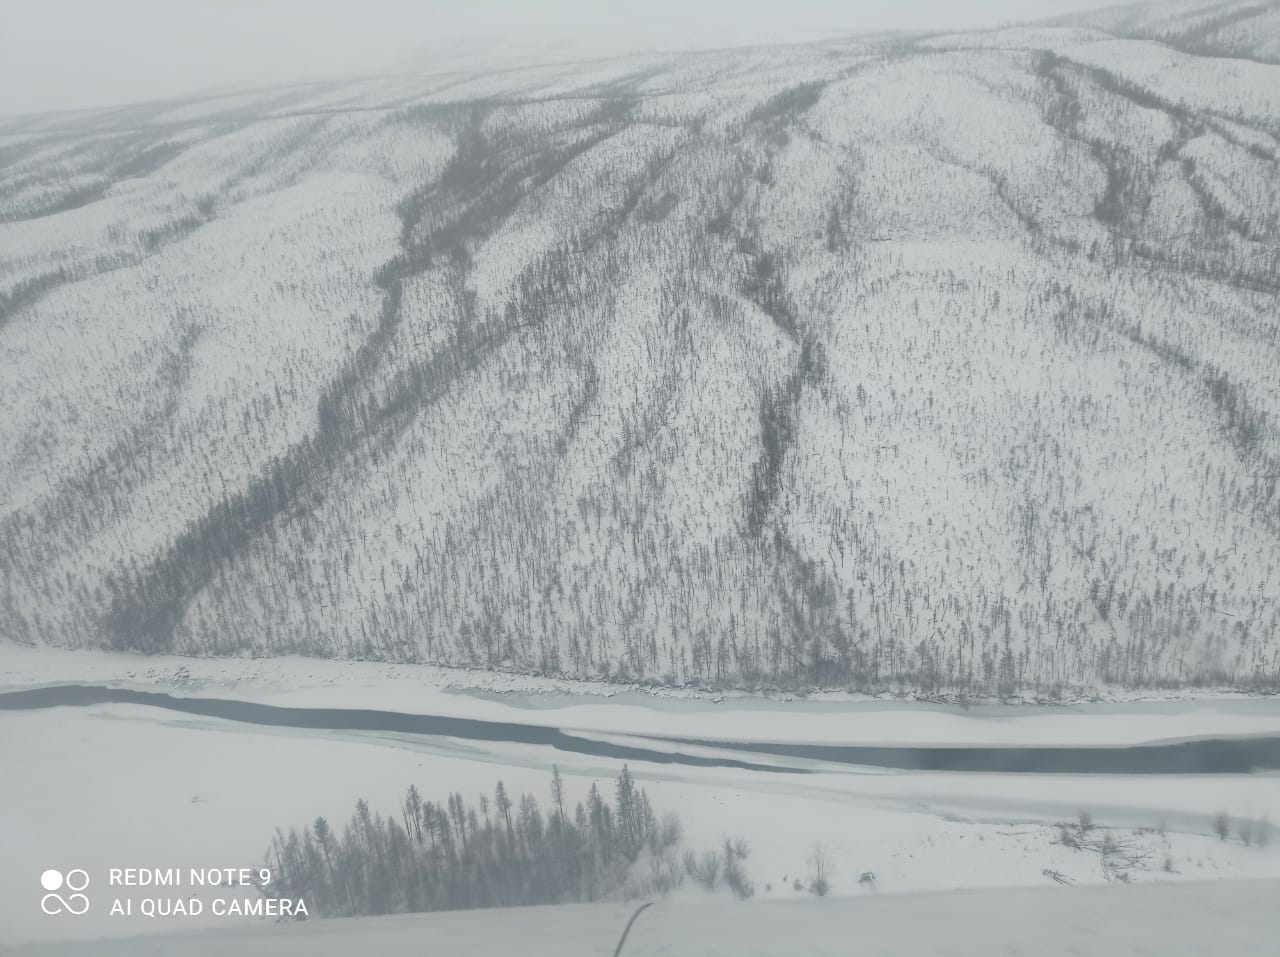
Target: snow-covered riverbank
122, 785
622, 709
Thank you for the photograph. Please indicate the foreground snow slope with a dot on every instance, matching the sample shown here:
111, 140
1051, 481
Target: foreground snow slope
1229, 919
946, 363
130, 786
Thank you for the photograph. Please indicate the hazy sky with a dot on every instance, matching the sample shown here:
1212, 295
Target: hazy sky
63, 54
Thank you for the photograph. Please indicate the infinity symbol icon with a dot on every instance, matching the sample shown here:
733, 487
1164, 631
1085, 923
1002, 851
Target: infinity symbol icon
74, 880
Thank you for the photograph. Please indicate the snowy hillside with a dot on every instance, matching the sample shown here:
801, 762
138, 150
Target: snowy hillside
950, 363
1233, 29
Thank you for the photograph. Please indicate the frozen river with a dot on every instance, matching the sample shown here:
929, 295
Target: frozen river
1207, 755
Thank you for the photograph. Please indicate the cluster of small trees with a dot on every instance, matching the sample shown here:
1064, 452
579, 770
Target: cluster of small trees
1121, 854
503, 851
1250, 830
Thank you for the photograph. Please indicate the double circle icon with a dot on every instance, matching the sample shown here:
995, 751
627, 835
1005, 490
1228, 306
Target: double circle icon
75, 880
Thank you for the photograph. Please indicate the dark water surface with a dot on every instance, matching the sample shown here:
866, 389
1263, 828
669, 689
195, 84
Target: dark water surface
1203, 756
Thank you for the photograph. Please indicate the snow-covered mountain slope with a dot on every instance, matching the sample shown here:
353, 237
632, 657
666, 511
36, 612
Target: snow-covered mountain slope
1237, 28
949, 362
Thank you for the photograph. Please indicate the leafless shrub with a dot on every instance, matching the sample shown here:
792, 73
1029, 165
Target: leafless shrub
735, 852
667, 834
820, 871
706, 869
1244, 830
665, 874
